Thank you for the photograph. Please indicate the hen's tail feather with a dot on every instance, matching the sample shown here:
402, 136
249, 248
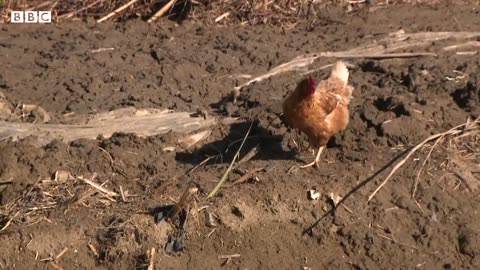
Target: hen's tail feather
340, 71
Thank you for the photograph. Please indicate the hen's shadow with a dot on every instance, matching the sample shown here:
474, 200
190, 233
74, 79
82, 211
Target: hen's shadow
269, 146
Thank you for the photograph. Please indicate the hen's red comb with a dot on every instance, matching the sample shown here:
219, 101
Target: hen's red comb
311, 80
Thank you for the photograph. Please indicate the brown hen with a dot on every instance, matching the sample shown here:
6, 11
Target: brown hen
320, 110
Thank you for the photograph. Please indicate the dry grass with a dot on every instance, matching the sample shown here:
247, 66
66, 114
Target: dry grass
35, 201
464, 158
224, 12
462, 142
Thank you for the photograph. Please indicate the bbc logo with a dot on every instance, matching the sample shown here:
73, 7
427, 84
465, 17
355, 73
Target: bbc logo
31, 17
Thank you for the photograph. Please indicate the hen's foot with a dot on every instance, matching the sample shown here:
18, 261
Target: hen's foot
311, 164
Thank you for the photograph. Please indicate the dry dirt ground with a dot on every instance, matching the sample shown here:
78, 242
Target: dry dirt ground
269, 220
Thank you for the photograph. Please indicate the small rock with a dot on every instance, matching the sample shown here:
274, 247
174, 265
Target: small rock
231, 108
238, 212
175, 242
169, 247
339, 219
179, 242
469, 241
91, 22
203, 113
296, 221
360, 266
435, 217
168, 149
334, 228
6, 110
62, 176
343, 232
313, 195
335, 198
401, 201
209, 220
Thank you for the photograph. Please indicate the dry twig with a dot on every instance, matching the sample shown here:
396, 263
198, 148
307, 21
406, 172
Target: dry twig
246, 176
385, 48
451, 132
93, 250
55, 265
228, 256
99, 188
162, 11
61, 253
151, 258
116, 11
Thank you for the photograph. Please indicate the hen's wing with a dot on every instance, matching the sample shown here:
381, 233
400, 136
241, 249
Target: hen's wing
326, 117
325, 103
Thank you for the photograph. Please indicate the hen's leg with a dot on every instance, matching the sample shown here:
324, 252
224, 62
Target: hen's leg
317, 159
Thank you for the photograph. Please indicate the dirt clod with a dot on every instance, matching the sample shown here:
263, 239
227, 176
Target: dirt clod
469, 241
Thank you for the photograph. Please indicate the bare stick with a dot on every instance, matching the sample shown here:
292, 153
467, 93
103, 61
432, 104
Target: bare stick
245, 177
384, 55
93, 250
452, 131
251, 154
61, 254
53, 6
116, 11
6, 225
108, 154
55, 266
191, 140
228, 256
221, 17
8, 182
210, 233
99, 188
462, 45
102, 50
151, 264
162, 11
122, 193
467, 53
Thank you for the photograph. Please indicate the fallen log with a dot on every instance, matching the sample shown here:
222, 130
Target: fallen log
141, 122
